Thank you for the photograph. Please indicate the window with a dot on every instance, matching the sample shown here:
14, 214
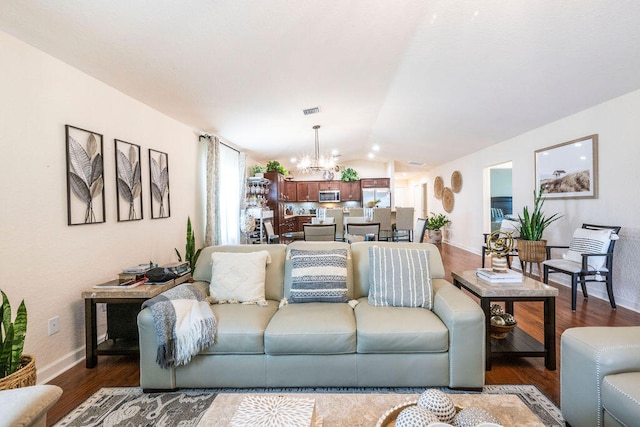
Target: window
229, 195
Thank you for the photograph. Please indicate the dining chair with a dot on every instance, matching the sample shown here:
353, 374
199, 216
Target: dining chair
327, 220
319, 232
383, 216
589, 259
272, 237
364, 229
337, 215
404, 224
419, 230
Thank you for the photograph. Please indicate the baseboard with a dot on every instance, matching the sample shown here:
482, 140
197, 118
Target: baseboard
57, 367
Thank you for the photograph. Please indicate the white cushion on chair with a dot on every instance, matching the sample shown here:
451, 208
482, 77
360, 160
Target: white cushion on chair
568, 266
591, 242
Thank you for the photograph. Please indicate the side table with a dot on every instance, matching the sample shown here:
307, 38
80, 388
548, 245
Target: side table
517, 343
137, 295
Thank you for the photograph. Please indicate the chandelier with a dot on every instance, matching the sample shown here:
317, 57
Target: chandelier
318, 163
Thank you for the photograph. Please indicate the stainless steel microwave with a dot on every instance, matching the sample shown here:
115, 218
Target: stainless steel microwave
329, 196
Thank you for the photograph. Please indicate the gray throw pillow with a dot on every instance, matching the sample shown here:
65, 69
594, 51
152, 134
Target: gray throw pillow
318, 275
399, 277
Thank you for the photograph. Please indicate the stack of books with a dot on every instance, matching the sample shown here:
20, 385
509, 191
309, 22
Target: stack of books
510, 276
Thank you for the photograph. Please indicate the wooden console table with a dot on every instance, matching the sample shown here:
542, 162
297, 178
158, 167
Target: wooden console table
137, 295
517, 343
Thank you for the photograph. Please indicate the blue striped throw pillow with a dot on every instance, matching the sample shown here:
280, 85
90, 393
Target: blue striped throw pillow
318, 276
399, 277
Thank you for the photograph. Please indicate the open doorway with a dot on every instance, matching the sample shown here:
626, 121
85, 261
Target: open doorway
499, 199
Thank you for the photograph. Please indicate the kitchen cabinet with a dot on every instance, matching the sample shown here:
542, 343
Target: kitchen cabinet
350, 191
288, 225
290, 191
307, 191
375, 182
300, 220
329, 185
277, 197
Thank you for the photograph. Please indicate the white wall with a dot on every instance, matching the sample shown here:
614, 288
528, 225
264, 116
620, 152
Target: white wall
42, 259
618, 202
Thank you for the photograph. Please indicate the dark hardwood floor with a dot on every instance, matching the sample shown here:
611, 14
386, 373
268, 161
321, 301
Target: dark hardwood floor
79, 383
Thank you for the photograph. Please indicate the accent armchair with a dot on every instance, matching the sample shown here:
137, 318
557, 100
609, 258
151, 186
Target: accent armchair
589, 259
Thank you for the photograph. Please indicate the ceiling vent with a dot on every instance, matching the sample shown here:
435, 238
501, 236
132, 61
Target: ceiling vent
314, 110
414, 163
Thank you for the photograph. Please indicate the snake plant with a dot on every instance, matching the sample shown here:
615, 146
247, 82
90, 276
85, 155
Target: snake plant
190, 253
11, 337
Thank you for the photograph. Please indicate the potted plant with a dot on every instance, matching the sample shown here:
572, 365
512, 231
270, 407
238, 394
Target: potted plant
349, 174
531, 246
190, 253
258, 171
434, 227
16, 369
275, 166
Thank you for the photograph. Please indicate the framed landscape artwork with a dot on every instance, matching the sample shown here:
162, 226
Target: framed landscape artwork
85, 179
568, 170
128, 181
159, 181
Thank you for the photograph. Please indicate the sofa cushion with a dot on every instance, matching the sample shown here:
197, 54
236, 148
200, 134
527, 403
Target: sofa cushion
399, 277
318, 275
399, 330
238, 276
240, 328
312, 328
621, 397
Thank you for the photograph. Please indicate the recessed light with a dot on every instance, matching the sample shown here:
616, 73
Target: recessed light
583, 158
370, 155
334, 152
293, 160
376, 147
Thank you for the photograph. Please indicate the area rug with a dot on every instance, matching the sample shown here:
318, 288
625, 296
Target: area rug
129, 406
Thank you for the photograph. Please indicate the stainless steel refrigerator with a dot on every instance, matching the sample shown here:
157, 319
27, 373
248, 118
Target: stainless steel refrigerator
373, 194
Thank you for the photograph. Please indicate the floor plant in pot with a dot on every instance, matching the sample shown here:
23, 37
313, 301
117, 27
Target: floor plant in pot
16, 369
531, 245
435, 222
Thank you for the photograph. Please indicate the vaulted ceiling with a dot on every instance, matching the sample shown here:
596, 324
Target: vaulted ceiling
426, 81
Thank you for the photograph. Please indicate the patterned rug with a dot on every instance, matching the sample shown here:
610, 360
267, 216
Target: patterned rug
129, 406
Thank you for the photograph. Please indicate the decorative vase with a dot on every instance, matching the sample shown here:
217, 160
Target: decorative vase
23, 377
435, 236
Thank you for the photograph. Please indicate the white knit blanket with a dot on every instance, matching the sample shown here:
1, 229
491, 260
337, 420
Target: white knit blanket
184, 324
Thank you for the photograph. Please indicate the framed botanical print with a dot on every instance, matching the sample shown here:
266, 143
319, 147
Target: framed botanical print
85, 180
128, 181
568, 170
159, 181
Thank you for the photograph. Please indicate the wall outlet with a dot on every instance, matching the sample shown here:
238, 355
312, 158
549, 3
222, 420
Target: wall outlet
54, 325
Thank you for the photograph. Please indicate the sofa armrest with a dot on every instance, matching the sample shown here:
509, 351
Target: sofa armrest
588, 354
465, 321
152, 376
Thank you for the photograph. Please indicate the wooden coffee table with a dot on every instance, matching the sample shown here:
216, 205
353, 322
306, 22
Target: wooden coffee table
517, 343
357, 409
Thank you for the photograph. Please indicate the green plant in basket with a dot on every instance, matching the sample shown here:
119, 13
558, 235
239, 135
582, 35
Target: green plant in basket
436, 222
190, 253
12, 336
533, 224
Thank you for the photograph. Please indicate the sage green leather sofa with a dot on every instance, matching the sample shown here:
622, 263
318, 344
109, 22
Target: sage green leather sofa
600, 376
329, 344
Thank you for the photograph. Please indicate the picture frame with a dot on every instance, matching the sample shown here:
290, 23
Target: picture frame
128, 181
568, 170
159, 184
85, 176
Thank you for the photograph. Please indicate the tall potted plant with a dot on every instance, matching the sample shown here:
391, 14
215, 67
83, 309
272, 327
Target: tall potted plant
16, 369
190, 253
531, 246
434, 227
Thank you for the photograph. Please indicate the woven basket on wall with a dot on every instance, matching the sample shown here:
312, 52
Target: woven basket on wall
532, 250
23, 377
